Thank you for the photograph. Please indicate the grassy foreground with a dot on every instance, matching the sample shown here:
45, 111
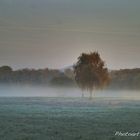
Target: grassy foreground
40, 118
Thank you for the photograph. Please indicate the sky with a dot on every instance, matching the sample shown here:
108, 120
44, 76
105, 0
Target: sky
53, 33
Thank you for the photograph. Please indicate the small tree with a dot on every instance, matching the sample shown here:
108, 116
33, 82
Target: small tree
5, 69
90, 72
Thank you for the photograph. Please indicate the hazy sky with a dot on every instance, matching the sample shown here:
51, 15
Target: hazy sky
53, 33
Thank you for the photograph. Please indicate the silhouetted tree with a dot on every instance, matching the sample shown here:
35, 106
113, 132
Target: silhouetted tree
90, 72
5, 74
5, 69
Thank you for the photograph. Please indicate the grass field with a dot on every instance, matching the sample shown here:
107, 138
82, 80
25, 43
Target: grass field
42, 118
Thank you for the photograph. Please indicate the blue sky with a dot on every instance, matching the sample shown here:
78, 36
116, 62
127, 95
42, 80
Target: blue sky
53, 33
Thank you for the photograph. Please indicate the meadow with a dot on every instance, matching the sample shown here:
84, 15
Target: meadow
68, 118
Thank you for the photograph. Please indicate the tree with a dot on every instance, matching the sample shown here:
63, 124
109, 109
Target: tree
5, 74
90, 72
5, 69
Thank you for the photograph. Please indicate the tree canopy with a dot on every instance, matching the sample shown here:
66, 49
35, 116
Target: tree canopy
90, 72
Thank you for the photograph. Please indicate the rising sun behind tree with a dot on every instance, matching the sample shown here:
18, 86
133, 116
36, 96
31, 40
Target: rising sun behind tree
90, 72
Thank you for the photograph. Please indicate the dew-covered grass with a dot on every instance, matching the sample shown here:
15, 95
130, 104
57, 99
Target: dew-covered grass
46, 118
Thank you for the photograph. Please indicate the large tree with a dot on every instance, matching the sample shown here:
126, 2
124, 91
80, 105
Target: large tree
90, 72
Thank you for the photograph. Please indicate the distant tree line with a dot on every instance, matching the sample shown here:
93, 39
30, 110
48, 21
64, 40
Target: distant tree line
119, 79
125, 79
34, 77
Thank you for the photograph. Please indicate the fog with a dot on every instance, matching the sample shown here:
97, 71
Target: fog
40, 91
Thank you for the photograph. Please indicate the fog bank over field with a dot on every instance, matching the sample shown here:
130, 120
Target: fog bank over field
40, 91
